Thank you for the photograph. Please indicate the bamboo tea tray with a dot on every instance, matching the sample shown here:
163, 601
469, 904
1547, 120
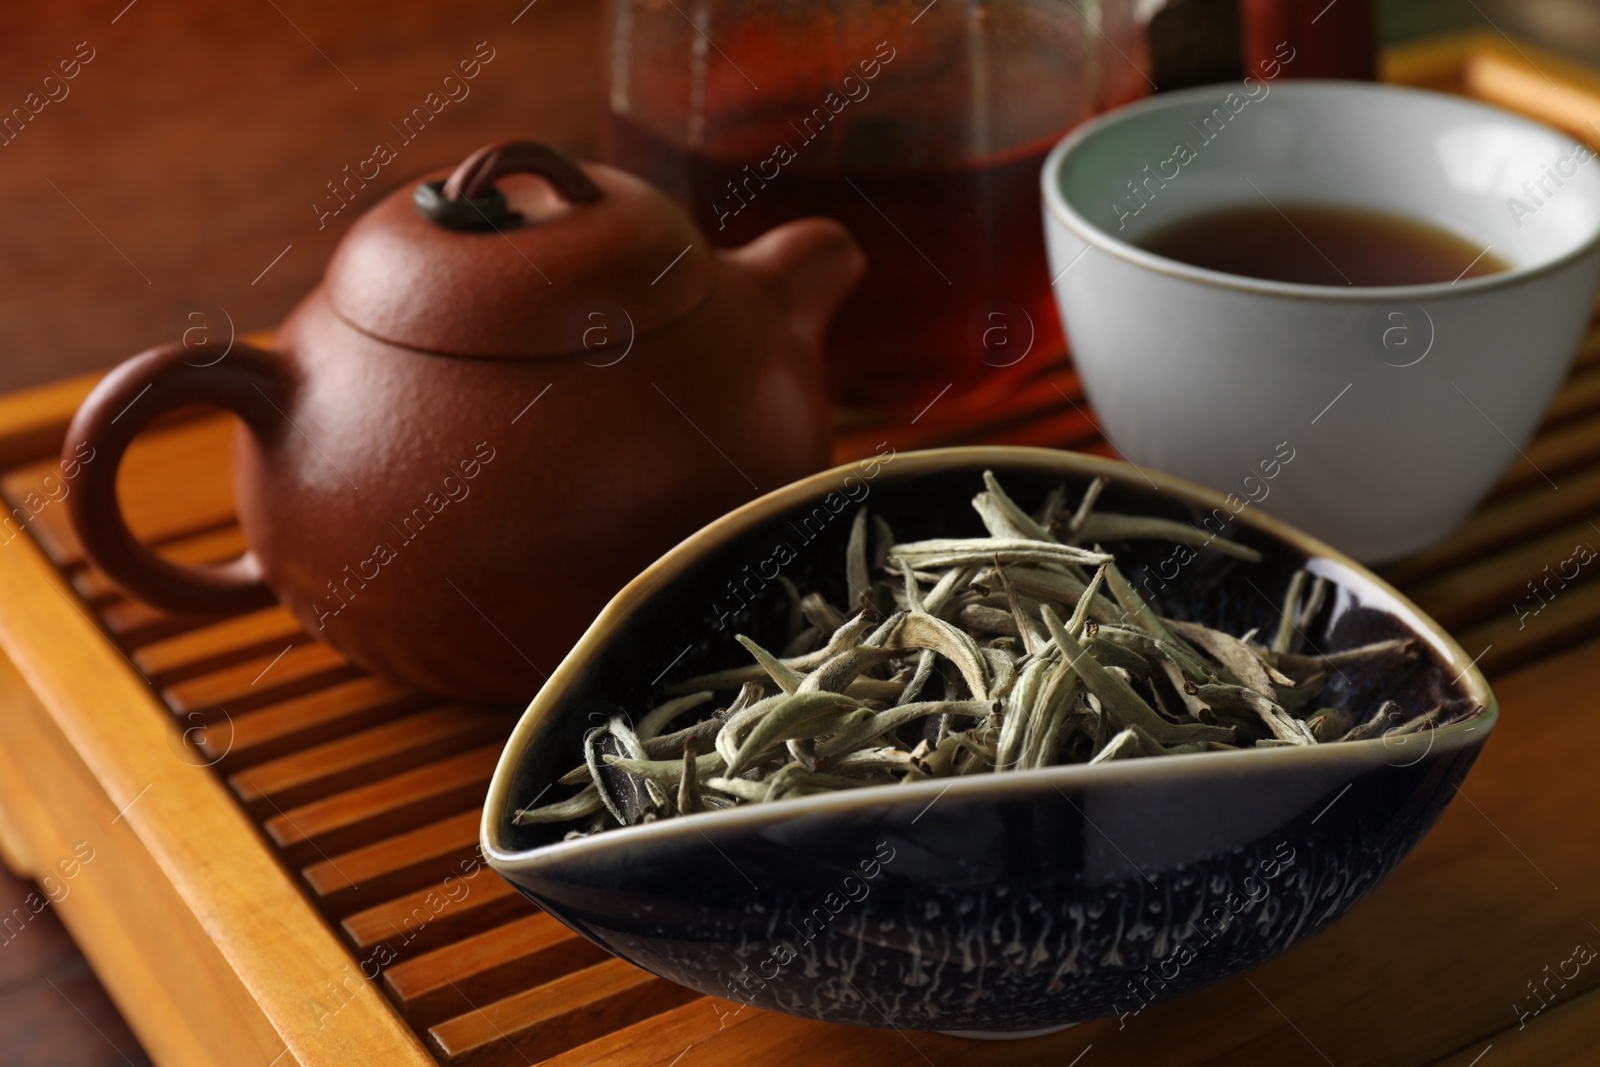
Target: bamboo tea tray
284, 863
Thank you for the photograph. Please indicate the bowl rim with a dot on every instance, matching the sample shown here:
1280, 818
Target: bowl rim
1057, 206
716, 535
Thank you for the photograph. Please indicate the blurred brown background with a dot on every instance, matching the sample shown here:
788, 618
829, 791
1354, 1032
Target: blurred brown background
188, 152
186, 155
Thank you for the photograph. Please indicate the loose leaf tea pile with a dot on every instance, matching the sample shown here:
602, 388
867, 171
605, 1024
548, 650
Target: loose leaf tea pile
989, 655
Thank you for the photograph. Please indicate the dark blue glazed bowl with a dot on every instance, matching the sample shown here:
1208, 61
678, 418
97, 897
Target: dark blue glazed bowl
998, 903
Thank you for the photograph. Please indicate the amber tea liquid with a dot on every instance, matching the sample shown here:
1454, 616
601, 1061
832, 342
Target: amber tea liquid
1321, 245
958, 285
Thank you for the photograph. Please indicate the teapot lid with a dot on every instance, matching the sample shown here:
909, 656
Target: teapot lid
514, 254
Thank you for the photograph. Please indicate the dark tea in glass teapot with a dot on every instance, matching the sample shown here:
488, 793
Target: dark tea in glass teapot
921, 126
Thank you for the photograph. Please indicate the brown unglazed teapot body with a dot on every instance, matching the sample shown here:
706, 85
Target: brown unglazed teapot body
514, 389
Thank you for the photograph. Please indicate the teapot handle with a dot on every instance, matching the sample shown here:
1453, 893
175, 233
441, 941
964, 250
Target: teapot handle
148, 385
477, 173
468, 199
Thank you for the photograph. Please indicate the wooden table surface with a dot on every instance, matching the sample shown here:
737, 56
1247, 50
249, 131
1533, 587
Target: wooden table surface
53, 1011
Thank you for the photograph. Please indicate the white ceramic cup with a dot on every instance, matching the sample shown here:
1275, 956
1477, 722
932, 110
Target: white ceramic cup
1397, 407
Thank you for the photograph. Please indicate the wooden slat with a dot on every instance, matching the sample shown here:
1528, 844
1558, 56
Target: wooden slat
358, 758
1038, 412
395, 865
490, 966
402, 802
1588, 354
186, 454
1551, 455
660, 1040
1504, 523
213, 546
1496, 584
1434, 61
220, 644
311, 719
437, 915
1580, 396
33, 421
133, 622
552, 1018
1513, 82
1505, 642
254, 683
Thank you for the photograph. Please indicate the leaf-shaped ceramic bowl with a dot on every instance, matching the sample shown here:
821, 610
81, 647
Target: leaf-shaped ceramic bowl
999, 902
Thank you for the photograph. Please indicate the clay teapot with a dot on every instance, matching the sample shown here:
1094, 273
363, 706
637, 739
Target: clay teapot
517, 385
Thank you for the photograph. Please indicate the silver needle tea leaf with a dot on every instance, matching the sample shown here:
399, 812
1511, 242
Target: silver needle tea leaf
1108, 526
977, 674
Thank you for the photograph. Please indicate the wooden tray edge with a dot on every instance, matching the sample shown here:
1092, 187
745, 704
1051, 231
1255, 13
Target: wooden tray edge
205, 846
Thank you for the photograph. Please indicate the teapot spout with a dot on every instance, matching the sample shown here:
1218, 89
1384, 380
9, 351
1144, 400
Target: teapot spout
808, 266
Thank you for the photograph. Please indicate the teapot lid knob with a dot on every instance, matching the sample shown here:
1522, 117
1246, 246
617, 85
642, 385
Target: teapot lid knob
468, 199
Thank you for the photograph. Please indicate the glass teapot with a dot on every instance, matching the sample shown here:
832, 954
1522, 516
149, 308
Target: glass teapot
920, 125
